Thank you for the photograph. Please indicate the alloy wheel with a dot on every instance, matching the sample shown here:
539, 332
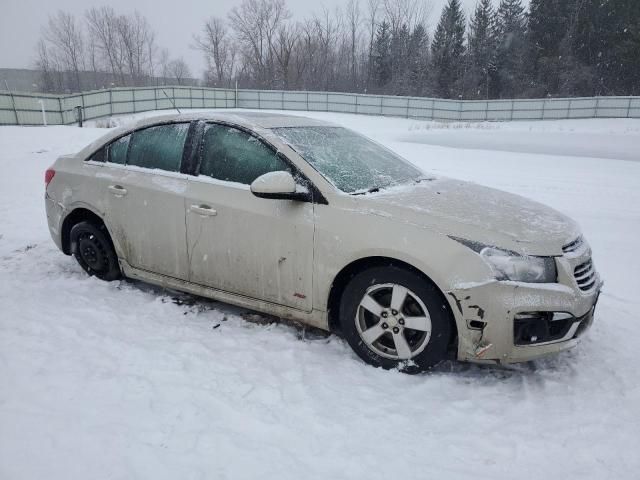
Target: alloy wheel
393, 321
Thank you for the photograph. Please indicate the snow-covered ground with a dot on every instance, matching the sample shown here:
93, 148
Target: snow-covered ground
122, 380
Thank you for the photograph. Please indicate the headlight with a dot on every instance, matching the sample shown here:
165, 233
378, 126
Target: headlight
508, 265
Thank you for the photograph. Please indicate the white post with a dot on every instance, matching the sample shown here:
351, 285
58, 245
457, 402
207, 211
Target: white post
44, 114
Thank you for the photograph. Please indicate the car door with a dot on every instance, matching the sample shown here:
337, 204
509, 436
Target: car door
237, 242
145, 203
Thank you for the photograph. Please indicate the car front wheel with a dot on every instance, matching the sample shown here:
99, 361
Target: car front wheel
395, 318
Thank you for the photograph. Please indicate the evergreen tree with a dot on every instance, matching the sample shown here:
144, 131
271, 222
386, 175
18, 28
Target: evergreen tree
418, 59
510, 79
382, 56
481, 51
551, 25
607, 39
400, 61
447, 51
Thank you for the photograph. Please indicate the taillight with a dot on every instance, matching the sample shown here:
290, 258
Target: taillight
48, 176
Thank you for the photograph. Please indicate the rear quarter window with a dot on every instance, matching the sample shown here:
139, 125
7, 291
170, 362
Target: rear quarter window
118, 150
99, 156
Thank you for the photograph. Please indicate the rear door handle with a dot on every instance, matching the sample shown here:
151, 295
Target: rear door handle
204, 210
118, 190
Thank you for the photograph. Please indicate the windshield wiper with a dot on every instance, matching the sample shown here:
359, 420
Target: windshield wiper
364, 192
424, 179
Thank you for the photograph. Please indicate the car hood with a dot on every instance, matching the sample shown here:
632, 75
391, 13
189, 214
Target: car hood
477, 213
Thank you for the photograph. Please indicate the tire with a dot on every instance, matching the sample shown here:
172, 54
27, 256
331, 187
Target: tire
381, 306
92, 248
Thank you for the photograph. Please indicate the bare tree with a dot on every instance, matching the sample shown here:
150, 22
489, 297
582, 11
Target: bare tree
50, 71
218, 51
374, 9
64, 35
283, 48
353, 21
256, 23
163, 62
135, 36
409, 13
178, 70
103, 29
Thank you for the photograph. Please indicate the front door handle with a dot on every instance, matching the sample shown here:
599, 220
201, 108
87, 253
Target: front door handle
118, 190
204, 210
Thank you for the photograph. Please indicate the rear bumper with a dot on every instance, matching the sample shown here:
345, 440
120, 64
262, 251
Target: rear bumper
54, 219
509, 322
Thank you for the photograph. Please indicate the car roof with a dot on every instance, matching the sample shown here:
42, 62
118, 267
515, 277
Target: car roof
251, 119
261, 122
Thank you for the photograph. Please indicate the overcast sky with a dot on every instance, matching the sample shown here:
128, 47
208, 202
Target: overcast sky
173, 21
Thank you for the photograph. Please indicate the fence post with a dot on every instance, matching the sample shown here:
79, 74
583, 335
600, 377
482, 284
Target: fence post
61, 111
133, 96
513, 106
259, 101
110, 103
44, 113
15, 112
569, 109
544, 102
282, 101
629, 107
407, 107
597, 106
307, 101
357, 96
381, 106
155, 97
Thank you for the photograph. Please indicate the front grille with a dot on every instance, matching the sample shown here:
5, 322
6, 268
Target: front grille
573, 246
585, 275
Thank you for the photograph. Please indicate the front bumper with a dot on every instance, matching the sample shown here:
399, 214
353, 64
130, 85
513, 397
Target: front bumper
497, 320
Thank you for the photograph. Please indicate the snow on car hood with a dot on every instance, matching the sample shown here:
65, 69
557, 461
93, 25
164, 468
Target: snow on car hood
474, 212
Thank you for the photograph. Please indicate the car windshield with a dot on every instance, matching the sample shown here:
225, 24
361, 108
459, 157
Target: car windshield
353, 163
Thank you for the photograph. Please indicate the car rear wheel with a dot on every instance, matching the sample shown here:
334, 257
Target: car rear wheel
394, 318
92, 248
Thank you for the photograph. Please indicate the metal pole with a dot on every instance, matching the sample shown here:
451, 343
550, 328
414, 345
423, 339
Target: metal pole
13, 102
61, 111
235, 101
79, 115
44, 114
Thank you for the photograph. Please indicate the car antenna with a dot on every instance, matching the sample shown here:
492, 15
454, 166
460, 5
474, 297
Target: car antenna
172, 102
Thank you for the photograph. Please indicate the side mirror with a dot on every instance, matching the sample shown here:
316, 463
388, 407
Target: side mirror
279, 186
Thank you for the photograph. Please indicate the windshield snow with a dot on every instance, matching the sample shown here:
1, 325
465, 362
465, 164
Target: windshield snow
353, 163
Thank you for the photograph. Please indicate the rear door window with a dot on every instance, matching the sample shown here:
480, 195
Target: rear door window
158, 147
233, 155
